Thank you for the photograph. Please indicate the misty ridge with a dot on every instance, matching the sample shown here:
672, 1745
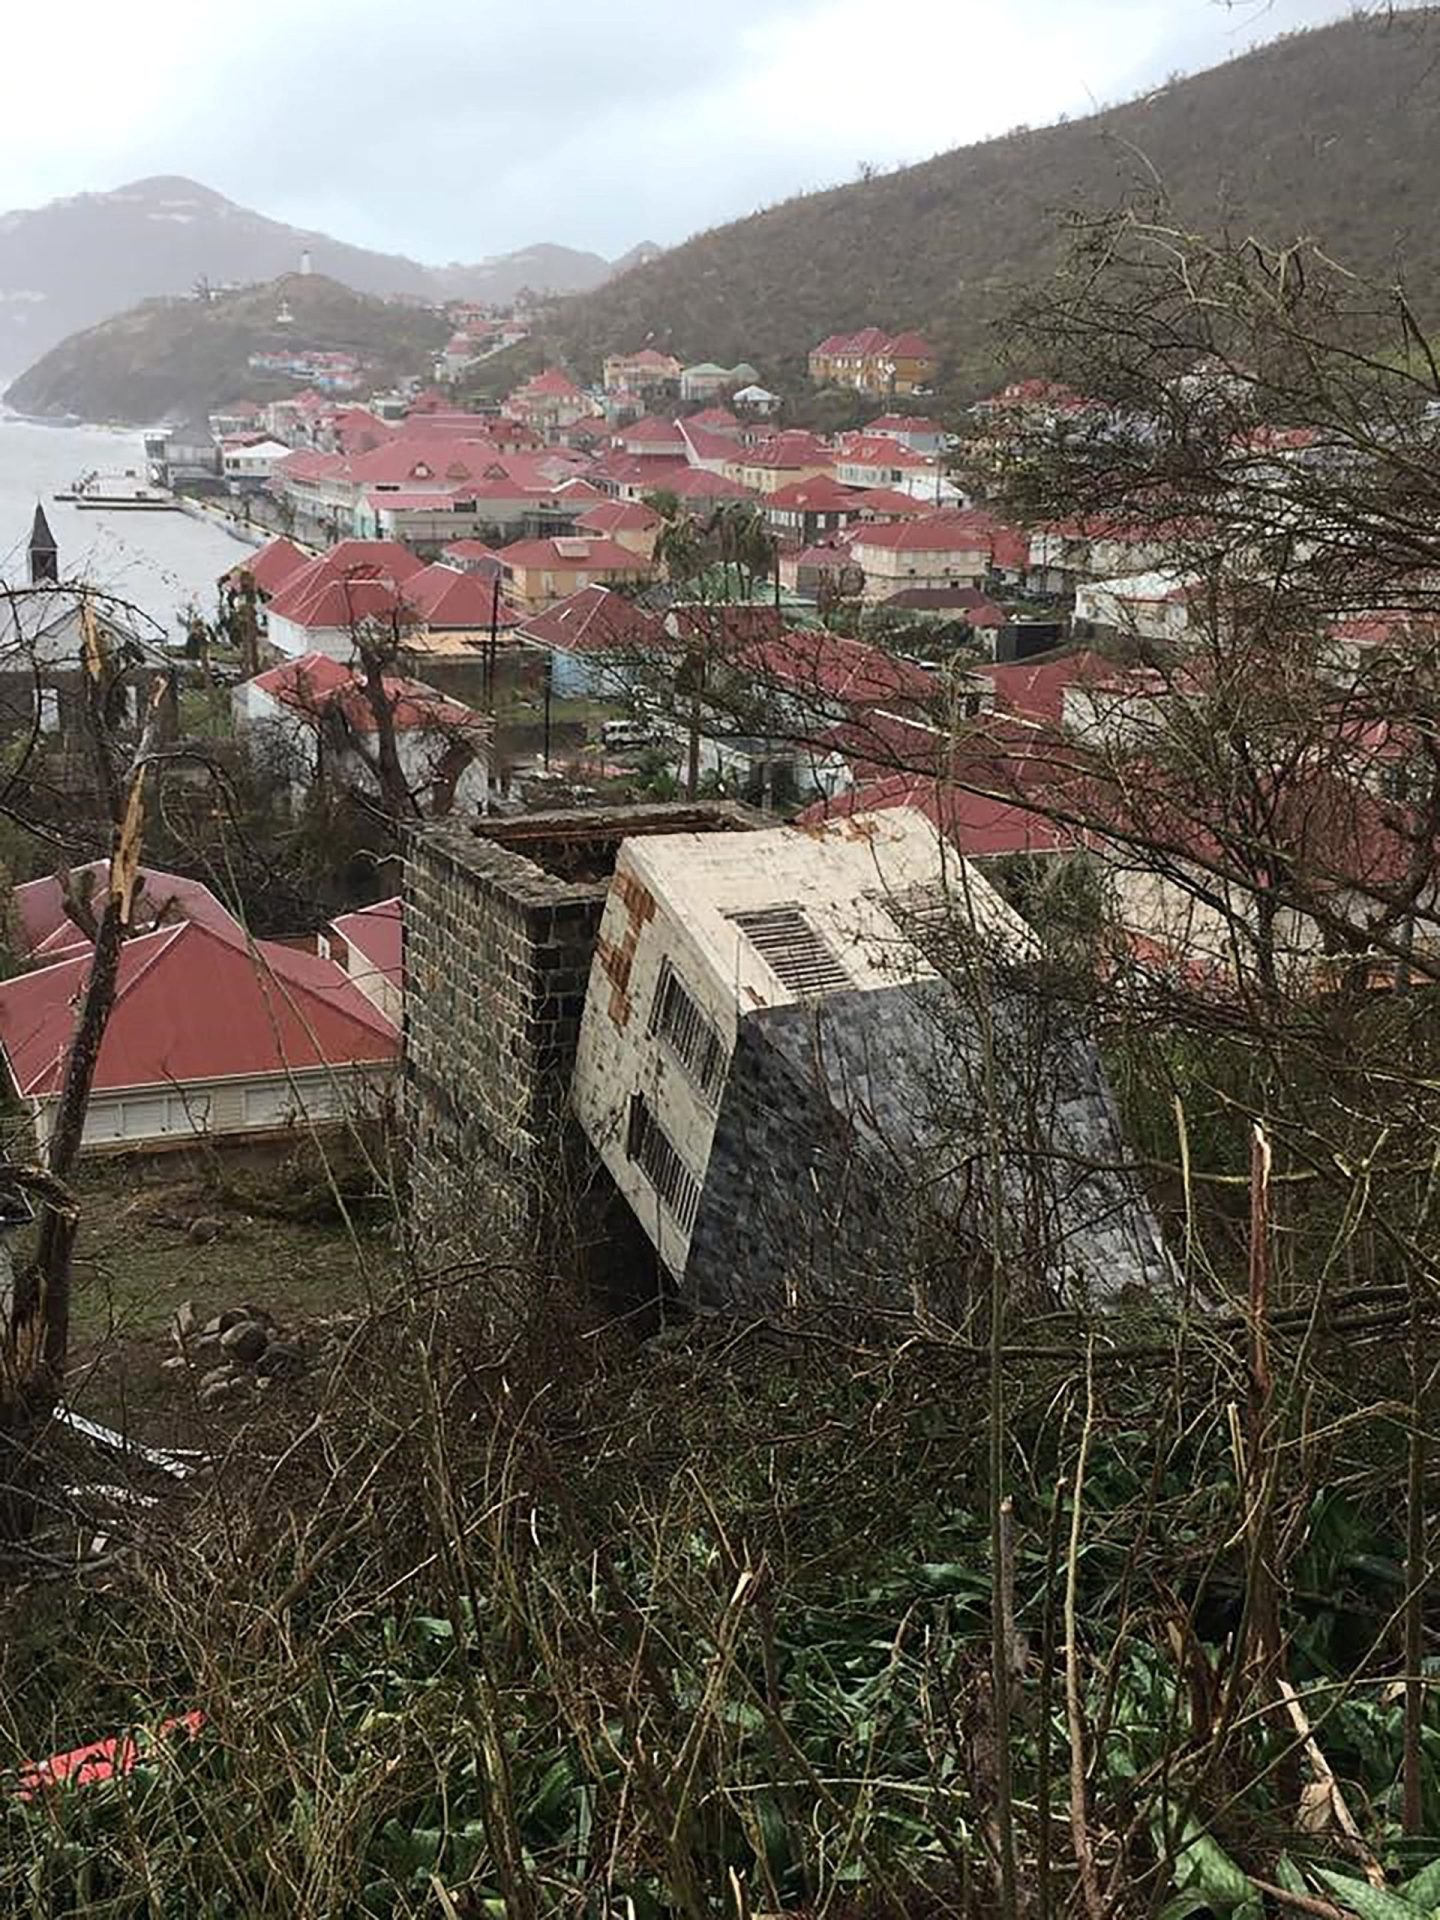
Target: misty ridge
76, 261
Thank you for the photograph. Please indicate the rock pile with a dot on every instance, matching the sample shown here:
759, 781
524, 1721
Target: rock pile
244, 1347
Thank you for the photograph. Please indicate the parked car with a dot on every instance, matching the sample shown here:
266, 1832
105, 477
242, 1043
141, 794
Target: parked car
626, 736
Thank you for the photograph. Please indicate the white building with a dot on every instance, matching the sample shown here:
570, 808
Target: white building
248, 465
1142, 606
309, 718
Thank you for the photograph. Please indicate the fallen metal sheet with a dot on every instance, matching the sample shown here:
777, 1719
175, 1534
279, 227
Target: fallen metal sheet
178, 1462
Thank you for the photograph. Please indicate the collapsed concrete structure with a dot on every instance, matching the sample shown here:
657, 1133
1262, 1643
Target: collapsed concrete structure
812, 1064
824, 1063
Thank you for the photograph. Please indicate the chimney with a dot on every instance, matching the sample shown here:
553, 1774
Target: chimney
305, 261
44, 554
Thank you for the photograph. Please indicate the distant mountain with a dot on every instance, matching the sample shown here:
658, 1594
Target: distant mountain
69, 264
1329, 133
639, 256
542, 269
170, 359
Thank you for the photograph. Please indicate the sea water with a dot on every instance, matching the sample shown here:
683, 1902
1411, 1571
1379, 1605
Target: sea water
162, 563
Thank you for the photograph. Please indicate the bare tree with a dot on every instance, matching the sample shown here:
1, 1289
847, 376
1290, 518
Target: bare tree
35, 1332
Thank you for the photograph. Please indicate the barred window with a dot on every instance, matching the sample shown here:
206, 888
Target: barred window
792, 949
650, 1148
699, 1049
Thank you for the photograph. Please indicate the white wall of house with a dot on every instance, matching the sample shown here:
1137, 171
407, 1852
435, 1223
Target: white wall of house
1149, 607
888, 570
170, 1114
338, 643
383, 993
257, 462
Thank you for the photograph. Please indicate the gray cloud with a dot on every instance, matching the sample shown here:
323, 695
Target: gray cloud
467, 127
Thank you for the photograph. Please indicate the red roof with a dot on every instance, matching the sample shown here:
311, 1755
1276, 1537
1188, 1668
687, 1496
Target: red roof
332, 600
714, 420
974, 822
358, 430
888, 503
305, 464
273, 565
910, 346
822, 555
442, 458
577, 555
706, 443
314, 683
448, 597
1037, 393
377, 934
822, 494
977, 823
794, 448
968, 602
165, 899
194, 1003
946, 532
356, 580
696, 483
874, 341
1036, 688
472, 551
552, 384
878, 450
594, 620
835, 668
652, 431
380, 556
619, 516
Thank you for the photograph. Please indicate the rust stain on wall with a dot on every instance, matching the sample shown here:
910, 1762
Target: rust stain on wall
617, 958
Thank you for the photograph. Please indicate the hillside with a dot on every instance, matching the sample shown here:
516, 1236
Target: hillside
169, 358
65, 266
1330, 132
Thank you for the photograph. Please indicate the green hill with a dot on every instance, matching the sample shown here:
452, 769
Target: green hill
1330, 132
167, 358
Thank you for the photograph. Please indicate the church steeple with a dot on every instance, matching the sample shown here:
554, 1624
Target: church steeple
44, 554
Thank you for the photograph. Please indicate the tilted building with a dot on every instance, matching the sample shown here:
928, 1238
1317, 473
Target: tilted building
812, 1061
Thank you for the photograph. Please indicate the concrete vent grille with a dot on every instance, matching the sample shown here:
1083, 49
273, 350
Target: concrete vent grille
688, 1034
650, 1148
792, 949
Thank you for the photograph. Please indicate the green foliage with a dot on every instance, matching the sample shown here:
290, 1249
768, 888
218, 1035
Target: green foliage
732, 1610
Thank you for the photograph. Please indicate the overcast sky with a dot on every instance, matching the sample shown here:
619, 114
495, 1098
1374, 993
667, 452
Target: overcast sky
452, 129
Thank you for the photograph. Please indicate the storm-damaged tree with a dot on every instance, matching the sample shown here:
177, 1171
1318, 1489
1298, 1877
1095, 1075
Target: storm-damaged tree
392, 746
35, 1318
1247, 775
711, 567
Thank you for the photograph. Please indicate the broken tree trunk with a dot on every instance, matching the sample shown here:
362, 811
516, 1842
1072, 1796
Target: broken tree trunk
36, 1333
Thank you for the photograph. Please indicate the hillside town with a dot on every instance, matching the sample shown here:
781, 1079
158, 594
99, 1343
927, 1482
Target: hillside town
718, 1009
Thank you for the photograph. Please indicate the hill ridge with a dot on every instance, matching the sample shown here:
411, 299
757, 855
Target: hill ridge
1326, 130
82, 258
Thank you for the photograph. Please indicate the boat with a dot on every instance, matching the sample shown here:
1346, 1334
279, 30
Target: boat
128, 491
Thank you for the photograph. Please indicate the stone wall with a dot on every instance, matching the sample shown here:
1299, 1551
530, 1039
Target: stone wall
501, 918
